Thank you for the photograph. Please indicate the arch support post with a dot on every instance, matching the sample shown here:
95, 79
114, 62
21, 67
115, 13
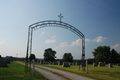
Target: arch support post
83, 54
29, 50
83, 48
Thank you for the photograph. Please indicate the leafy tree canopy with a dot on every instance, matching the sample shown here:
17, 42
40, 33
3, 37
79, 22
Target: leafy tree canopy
104, 54
68, 57
49, 55
32, 56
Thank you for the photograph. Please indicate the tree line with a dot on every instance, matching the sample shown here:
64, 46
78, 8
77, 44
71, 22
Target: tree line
49, 55
101, 54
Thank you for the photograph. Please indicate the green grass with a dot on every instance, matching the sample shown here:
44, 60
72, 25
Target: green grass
98, 73
15, 71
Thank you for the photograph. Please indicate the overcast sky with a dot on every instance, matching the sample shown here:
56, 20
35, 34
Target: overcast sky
98, 20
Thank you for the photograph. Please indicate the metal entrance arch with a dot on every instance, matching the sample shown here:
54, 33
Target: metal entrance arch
51, 23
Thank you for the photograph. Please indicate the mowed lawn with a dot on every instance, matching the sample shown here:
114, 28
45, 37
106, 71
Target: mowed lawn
98, 73
15, 71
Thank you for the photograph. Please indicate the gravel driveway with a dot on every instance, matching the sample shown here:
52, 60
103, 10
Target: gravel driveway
66, 74
51, 76
48, 75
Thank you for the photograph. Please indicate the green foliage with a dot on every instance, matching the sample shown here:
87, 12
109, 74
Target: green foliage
114, 56
103, 54
49, 55
68, 57
32, 56
91, 61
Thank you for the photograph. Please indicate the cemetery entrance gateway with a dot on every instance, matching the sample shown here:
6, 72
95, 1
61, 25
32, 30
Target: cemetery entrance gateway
50, 23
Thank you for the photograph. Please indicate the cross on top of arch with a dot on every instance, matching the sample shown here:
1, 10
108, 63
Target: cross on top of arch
60, 17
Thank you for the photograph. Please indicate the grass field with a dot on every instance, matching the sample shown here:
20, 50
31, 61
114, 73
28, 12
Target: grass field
98, 73
15, 71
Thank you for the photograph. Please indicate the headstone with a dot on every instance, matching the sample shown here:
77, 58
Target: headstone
65, 64
70, 63
104, 63
73, 63
41, 61
94, 65
77, 63
59, 62
118, 64
3, 62
110, 65
46, 62
50, 63
9, 58
101, 64
38, 61
83, 64
55, 63
8, 61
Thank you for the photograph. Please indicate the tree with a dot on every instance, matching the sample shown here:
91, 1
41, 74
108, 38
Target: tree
32, 56
49, 55
119, 57
68, 57
104, 54
114, 56
119, 53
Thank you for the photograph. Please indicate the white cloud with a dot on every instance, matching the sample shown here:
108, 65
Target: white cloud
62, 46
99, 39
76, 43
53, 37
65, 45
50, 41
43, 32
115, 46
87, 40
2, 43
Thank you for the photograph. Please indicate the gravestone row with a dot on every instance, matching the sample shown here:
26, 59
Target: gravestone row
4, 62
68, 64
103, 64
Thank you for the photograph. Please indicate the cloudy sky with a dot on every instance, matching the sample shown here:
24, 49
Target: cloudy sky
98, 20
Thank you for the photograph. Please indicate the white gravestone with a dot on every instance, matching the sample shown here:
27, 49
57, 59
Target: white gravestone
77, 63
73, 63
94, 65
70, 63
41, 61
110, 65
60, 63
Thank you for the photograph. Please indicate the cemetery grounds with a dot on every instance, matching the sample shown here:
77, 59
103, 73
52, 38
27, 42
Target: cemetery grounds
16, 71
97, 73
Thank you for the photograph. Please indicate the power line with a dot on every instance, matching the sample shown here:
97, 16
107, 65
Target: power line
101, 7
